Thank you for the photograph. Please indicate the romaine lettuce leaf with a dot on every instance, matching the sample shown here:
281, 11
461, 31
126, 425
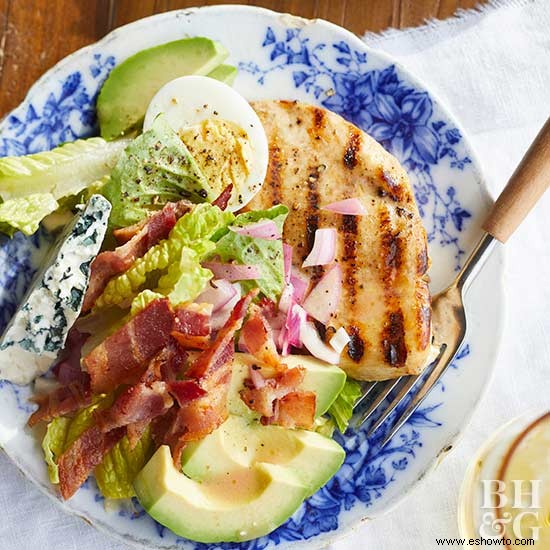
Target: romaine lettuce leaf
192, 231
265, 254
156, 168
63, 171
186, 279
25, 213
62, 431
341, 410
121, 465
53, 445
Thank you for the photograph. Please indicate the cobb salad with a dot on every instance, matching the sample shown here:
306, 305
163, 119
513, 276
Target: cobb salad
174, 346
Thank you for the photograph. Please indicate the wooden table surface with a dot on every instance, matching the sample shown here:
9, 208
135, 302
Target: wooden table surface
35, 34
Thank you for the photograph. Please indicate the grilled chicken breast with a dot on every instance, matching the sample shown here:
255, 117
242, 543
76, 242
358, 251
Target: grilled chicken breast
316, 158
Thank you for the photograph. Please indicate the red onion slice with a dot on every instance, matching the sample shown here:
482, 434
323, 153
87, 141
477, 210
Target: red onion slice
313, 343
300, 283
233, 272
265, 229
324, 248
351, 207
218, 293
324, 299
287, 260
290, 332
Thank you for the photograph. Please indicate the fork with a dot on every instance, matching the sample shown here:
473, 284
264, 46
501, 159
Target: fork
527, 184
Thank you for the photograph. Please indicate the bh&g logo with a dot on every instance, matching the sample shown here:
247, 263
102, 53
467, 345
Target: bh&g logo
497, 497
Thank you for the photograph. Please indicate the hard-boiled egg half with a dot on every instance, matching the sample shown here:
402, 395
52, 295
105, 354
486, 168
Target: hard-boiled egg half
221, 131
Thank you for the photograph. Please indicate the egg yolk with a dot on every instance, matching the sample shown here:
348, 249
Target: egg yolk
222, 150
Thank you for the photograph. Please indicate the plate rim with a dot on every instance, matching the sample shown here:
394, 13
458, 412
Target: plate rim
498, 255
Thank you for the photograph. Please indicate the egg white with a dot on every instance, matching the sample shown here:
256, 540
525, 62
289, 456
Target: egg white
188, 100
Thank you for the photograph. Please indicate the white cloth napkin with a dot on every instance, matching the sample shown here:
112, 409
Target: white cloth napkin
492, 68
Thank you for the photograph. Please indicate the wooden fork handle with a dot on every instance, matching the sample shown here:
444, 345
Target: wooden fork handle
524, 189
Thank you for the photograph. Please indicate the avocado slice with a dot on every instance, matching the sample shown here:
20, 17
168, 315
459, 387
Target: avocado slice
224, 73
250, 504
240, 443
325, 380
128, 90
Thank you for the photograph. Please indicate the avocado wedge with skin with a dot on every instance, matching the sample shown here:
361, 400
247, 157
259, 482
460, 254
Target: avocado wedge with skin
128, 90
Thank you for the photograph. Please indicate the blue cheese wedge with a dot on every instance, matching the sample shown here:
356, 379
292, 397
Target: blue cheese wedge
38, 330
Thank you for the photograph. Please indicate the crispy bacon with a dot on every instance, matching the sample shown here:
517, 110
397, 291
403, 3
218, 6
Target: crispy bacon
124, 234
212, 369
61, 401
193, 327
223, 198
209, 360
262, 398
68, 369
113, 262
185, 391
122, 357
294, 410
80, 459
257, 338
139, 403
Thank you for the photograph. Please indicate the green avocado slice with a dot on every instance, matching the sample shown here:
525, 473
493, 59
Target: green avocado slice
240, 443
219, 510
128, 90
224, 73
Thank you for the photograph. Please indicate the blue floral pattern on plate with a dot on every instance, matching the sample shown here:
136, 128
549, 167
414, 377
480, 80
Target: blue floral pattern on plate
378, 100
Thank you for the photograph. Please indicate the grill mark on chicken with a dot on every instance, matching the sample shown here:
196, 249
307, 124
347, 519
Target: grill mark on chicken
393, 339
356, 346
274, 168
392, 188
393, 332
350, 154
312, 217
317, 125
349, 229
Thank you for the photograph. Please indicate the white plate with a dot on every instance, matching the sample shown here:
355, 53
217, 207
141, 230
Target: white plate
280, 56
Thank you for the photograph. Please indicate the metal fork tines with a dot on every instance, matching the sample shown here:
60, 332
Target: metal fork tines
449, 328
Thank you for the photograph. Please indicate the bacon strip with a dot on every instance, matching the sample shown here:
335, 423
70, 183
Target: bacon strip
68, 369
138, 403
193, 326
113, 262
294, 410
196, 419
257, 337
262, 399
61, 401
122, 357
224, 197
80, 459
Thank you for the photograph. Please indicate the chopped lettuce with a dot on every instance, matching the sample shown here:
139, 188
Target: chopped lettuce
121, 465
156, 168
62, 432
25, 213
342, 408
63, 171
186, 278
277, 213
175, 257
265, 254
53, 445
324, 426
143, 299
